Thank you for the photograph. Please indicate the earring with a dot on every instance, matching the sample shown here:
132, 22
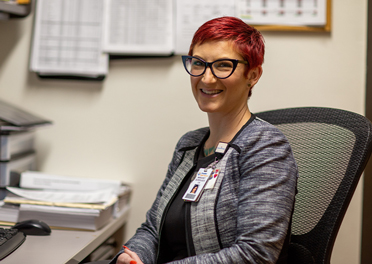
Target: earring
249, 85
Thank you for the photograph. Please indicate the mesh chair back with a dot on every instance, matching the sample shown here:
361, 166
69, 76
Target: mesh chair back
331, 148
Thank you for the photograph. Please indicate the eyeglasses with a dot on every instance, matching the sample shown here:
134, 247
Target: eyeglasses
221, 69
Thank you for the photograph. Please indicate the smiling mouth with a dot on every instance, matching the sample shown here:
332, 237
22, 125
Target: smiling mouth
211, 92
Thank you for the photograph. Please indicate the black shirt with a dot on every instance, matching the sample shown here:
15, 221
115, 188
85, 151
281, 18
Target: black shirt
174, 235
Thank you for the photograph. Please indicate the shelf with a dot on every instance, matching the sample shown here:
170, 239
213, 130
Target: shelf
14, 10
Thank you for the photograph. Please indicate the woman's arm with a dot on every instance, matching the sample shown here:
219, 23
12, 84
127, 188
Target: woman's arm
145, 241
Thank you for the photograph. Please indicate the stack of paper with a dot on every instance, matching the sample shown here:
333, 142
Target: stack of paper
9, 212
66, 202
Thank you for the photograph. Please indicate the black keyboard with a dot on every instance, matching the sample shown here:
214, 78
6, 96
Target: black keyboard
10, 240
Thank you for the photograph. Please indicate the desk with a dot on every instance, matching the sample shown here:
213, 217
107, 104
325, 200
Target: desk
66, 246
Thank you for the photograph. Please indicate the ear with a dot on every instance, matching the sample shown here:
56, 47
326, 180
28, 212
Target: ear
254, 75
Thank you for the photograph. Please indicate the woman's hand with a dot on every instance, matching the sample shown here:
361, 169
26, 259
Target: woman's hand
128, 257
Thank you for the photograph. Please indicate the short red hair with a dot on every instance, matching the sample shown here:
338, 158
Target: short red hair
247, 40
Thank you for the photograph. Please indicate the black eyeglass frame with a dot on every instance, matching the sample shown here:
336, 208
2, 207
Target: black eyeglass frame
209, 64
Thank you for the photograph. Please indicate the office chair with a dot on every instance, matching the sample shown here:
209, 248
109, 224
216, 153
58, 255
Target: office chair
331, 148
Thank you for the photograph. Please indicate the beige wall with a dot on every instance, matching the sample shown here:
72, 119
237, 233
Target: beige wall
127, 126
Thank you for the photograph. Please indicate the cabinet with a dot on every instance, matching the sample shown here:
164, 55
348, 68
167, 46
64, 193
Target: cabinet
13, 10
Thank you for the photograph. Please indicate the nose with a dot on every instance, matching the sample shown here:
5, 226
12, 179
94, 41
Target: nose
208, 76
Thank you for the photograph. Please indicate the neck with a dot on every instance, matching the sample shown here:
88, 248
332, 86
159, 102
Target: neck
223, 127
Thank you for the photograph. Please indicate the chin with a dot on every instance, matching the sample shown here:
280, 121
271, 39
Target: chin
207, 109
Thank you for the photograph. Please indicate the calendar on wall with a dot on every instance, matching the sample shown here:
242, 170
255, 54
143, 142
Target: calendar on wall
284, 12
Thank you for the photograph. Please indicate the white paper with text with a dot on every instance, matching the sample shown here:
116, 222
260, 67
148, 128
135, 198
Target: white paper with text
283, 12
39, 180
138, 27
58, 196
67, 38
191, 14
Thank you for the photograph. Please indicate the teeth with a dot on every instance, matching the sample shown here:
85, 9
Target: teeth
211, 92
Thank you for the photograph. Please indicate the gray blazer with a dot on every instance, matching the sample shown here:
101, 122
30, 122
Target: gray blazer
245, 217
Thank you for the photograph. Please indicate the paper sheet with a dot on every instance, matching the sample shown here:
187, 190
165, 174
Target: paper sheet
283, 12
39, 180
191, 14
58, 209
67, 38
57, 196
138, 27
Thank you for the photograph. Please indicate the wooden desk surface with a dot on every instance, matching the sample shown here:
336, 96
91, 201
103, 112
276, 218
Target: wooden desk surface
63, 246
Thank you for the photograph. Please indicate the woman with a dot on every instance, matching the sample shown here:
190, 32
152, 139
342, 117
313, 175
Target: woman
244, 166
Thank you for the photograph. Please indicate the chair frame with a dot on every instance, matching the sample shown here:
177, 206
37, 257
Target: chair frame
313, 242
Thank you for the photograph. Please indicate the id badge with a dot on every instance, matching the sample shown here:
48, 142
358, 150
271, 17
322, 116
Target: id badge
196, 187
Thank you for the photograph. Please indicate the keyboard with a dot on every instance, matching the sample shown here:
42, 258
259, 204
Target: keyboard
10, 240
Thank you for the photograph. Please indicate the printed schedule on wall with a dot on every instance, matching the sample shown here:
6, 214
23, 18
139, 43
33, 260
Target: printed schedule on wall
138, 27
67, 38
283, 12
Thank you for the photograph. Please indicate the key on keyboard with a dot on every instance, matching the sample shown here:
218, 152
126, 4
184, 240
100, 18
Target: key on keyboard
10, 240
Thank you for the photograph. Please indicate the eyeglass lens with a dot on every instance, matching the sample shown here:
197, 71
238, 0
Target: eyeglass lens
220, 68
